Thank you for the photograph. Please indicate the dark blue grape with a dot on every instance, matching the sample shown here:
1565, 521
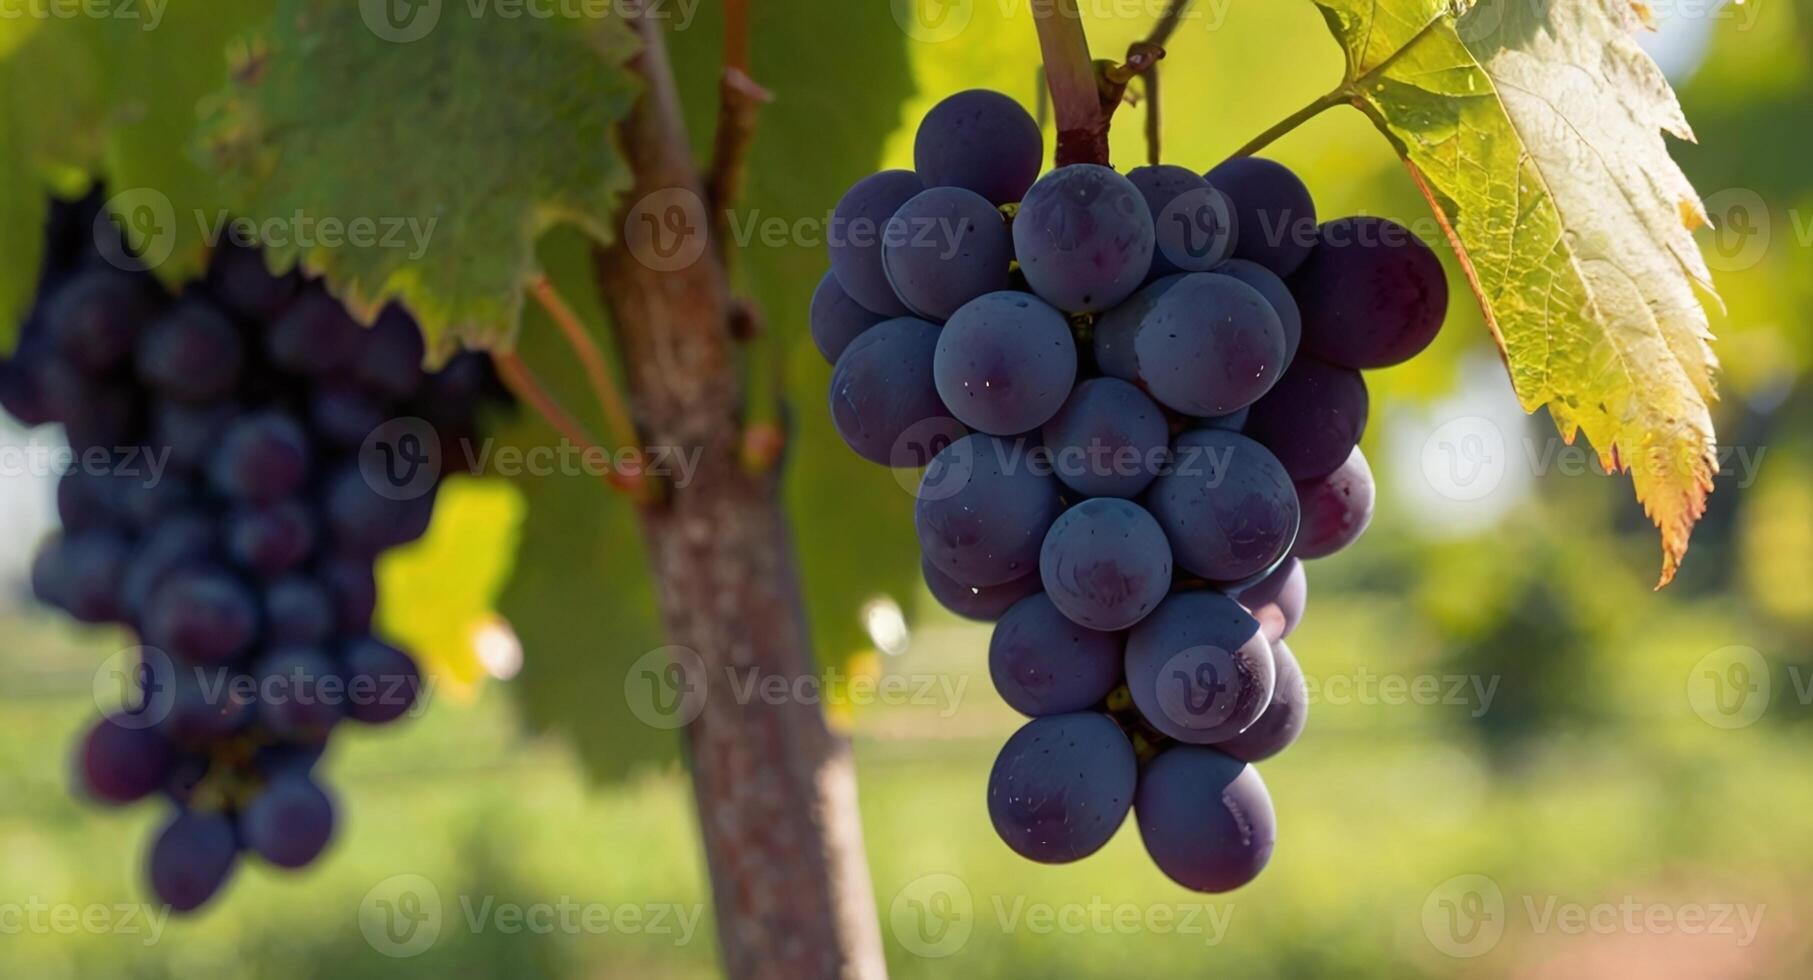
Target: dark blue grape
943, 248
301, 693
1277, 293
1210, 345
208, 705
50, 573
192, 858
1272, 209
344, 415
1198, 668
984, 604
1043, 663
1116, 329
94, 318
92, 564
177, 542
66, 392
1193, 222
364, 522
1206, 818
354, 590
1062, 786
882, 389
1231, 422
1105, 563
87, 498
122, 760
1372, 294
242, 284
314, 335
189, 431
836, 319
192, 353
270, 540
1312, 418
203, 616
290, 822
299, 611
854, 241
382, 682
1226, 504
982, 141
1283, 719
1005, 363
1109, 439
1278, 600
147, 501
984, 507
109, 418
388, 362
1336, 508
21, 392
262, 457
1084, 238
286, 759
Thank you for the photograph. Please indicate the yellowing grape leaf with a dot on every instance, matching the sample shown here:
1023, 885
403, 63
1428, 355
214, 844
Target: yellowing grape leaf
438, 596
447, 148
1534, 128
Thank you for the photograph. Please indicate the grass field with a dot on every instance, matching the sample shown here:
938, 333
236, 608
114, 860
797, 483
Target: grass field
1652, 850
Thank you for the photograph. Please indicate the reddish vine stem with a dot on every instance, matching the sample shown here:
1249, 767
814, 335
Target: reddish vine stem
1070, 74
529, 390
618, 423
1154, 118
739, 100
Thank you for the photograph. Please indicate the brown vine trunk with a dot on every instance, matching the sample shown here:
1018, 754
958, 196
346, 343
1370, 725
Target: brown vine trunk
776, 789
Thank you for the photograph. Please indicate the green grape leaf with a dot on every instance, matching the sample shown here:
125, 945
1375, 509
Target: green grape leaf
114, 98
1535, 129
438, 595
21, 224
422, 162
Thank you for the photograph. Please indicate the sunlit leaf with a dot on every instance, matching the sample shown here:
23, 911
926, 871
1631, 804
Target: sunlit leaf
1535, 128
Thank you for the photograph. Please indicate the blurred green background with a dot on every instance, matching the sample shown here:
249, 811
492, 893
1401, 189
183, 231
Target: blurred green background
1496, 691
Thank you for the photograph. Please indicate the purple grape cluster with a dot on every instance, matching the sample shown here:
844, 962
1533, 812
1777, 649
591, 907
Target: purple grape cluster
1138, 404
217, 506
